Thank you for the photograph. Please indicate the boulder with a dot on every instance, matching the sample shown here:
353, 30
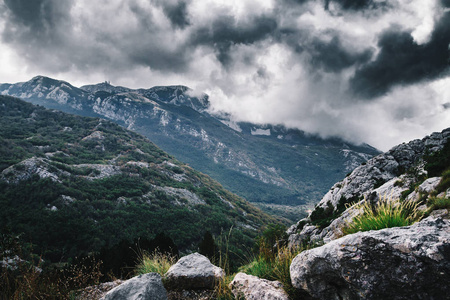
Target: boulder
193, 271
429, 185
250, 287
146, 286
411, 262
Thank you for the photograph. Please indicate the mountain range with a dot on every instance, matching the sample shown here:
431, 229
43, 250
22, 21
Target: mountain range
270, 165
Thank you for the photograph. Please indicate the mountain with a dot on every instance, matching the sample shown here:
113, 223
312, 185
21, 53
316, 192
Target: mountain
72, 185
417, 171
266, 164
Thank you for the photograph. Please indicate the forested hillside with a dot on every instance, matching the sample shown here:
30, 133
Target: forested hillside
73, 185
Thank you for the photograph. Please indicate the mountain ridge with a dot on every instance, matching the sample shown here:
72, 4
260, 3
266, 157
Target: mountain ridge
262, 163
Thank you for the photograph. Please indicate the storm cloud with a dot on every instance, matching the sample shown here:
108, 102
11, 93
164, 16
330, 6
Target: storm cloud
402, 61
315, 65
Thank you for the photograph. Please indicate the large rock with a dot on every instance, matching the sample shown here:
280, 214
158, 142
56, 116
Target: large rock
193, 271
250, 287
146, 286
410, 262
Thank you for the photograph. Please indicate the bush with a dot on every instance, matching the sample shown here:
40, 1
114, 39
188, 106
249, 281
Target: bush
444, 184
385, 214
438, 203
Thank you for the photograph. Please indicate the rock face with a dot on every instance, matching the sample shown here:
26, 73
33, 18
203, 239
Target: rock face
193, 271
410, 262
146, 286
251, 287
389, 174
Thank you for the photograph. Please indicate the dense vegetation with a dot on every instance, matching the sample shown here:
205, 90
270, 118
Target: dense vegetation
71, 186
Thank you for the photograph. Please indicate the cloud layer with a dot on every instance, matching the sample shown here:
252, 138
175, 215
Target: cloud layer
371, 71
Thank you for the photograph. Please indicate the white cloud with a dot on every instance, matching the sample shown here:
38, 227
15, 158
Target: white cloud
276, 78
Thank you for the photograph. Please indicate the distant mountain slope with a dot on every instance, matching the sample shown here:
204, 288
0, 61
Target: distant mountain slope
270, 164
72, 185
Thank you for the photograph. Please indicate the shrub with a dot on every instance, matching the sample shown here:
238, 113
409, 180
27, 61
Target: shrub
385, 214
438, 203
444, 184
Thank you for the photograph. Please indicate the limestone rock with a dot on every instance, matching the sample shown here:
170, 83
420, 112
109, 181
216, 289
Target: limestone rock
429, 185
193, 271
250, 287
146, 286
411, 262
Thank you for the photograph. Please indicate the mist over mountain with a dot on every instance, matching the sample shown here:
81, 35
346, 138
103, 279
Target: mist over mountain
268, 164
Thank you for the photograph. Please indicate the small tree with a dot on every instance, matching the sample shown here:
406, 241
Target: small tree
207, 246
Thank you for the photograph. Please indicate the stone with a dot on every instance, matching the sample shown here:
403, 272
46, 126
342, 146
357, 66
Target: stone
193, 271
250, 287
429, 185
411, 262
146, 286
97, 291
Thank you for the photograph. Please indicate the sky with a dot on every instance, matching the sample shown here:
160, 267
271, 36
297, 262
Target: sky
373, 71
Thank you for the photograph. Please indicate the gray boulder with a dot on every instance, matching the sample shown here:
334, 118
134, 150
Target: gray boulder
193, 271
250, 287
146, 286
411, 262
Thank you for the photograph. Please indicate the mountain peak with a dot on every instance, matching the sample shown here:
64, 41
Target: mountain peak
105, 86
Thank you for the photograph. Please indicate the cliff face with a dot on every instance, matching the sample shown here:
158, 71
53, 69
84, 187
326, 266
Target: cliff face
407, 171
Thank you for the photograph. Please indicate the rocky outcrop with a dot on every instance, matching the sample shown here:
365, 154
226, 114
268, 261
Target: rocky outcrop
410, 262
250, 287
193, 271
389, 174
146, 286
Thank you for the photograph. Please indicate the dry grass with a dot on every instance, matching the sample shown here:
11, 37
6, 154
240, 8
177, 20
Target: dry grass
156, 262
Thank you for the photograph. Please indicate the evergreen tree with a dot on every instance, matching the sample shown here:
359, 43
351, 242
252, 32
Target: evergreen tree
207, 246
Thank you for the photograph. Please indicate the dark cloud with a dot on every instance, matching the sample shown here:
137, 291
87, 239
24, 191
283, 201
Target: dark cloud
357, 4
177, 14
38, 15
333, 57
226, 32
402, 61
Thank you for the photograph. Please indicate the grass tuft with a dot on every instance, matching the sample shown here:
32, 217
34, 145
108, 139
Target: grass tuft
274, 268
386, 213
155, 263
